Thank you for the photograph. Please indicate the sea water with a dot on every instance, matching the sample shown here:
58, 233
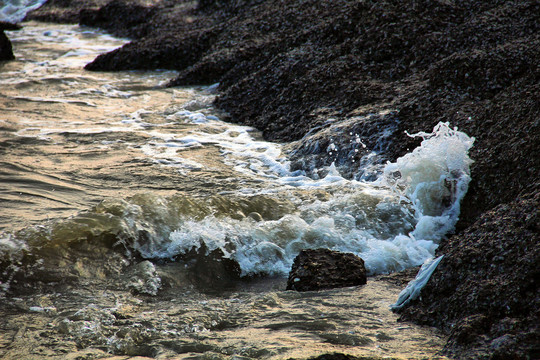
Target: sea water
14, 11
94, 158
73, 139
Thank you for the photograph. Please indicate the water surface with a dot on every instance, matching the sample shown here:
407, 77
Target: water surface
120, 196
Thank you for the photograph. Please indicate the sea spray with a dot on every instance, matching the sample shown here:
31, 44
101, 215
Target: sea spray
434, 178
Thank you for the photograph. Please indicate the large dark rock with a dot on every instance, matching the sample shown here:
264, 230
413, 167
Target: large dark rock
63, 11
9, 26
119, 17
325, 269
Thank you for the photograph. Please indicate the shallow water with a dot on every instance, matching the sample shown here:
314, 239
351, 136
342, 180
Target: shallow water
257, 322
101, 172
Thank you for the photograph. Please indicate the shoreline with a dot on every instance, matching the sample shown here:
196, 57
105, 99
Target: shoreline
375, 66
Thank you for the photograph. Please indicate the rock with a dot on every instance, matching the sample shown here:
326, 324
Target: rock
9, 26
211, 271
334, 356
325, 269
63, 11
487, 287
6, 50
128, 18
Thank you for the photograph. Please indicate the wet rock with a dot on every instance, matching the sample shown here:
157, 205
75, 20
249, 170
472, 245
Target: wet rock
334, 356
9, 26
6, 50
325, 269
63, 11
487, 288
211, 271
119, 17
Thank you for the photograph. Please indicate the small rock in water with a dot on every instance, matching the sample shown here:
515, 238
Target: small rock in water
316, 269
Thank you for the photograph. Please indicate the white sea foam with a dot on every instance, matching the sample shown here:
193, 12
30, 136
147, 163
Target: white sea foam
14, 11
393, 223
11, 251
434, 177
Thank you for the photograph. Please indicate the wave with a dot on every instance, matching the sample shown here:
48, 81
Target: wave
393, 223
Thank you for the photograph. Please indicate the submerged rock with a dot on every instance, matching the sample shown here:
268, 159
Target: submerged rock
211, 271
325, 269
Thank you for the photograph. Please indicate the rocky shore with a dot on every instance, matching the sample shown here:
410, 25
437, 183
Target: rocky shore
315, 72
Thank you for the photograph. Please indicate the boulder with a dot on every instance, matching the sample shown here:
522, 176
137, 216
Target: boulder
486, 293
317, 269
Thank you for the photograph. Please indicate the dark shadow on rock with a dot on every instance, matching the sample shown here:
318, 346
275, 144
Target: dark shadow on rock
325, 269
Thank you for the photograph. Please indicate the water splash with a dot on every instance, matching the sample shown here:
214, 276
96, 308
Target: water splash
434, 178
393, 223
